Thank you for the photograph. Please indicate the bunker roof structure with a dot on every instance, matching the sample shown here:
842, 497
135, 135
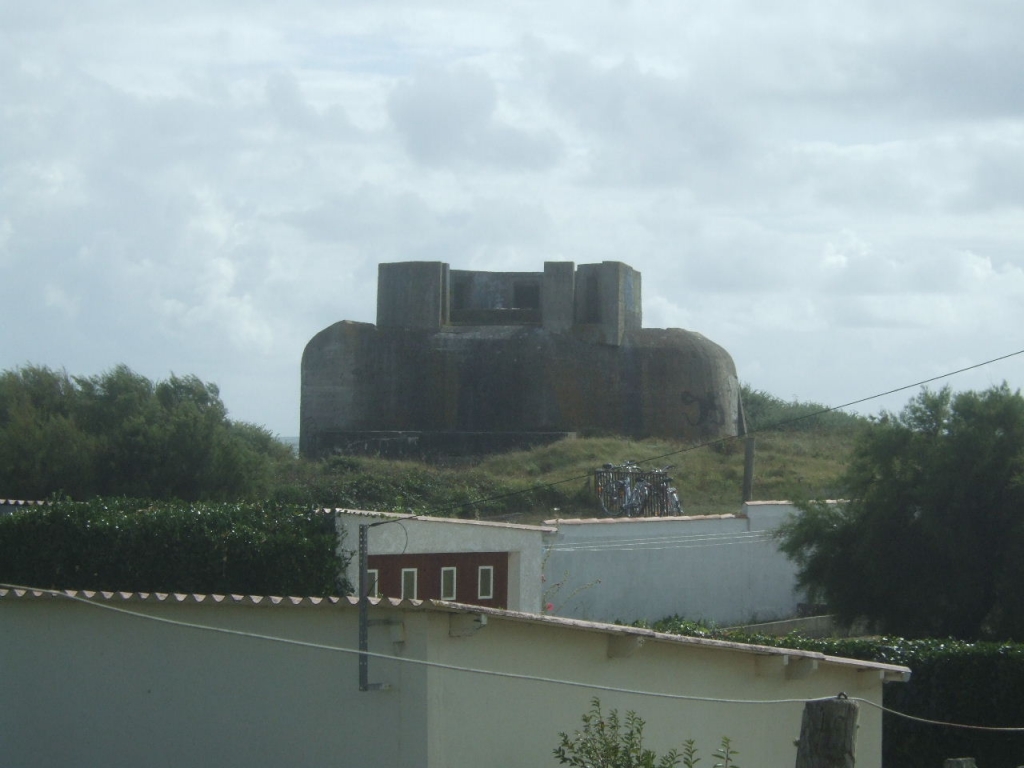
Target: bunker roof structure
464, 362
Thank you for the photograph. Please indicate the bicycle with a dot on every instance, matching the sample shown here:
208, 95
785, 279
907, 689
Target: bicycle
626, 490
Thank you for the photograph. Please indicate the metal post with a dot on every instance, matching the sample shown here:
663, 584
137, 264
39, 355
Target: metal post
748, 470
364, 601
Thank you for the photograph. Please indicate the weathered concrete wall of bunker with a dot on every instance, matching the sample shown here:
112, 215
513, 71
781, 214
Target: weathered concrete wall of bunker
358, 377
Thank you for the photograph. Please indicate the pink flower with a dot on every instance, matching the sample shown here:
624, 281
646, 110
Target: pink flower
549, 607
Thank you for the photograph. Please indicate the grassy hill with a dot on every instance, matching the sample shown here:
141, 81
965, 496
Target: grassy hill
799, 452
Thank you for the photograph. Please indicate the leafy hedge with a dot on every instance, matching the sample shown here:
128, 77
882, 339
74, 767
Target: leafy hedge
122, 544
952, 681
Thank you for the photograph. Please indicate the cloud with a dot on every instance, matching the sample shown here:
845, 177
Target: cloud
451, 118
831, 192
397, 226
638, 126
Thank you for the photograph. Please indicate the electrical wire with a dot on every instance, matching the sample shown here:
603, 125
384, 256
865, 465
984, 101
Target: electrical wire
625, 545
556, 681
680, 537
653, 548
444, 512
488, 672
926, 721
400, 659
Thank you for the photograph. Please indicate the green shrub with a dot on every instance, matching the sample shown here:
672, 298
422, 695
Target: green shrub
764, 411
928, 542
608, 741
121, 544
952, 681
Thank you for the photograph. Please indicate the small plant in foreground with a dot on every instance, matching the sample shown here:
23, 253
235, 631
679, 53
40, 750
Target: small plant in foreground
725, 753
690, 758
608, 741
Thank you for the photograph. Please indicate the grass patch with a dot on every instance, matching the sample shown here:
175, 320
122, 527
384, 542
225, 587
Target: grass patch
555, 480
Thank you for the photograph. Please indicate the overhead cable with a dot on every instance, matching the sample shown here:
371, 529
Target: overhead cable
766, 428
485, 672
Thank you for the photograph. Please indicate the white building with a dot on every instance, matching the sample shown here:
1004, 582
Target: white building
724, 568
496, 565
126, 680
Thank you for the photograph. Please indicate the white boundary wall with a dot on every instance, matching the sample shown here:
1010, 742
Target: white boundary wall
725, 568
84, 686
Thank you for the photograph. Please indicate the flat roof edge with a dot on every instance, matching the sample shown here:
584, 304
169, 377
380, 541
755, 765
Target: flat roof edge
431, 519
10, 592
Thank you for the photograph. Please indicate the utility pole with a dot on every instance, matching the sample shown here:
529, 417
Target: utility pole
748, 469
364, 604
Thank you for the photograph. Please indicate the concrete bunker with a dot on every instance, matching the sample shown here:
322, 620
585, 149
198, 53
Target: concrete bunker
463, 362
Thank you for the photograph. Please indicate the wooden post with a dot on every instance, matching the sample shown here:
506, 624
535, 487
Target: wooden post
828, 734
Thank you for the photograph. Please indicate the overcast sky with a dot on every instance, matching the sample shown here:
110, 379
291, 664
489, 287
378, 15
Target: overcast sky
832, 191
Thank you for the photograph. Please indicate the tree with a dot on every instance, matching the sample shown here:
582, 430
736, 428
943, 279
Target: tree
120, 434
928, 542
42, 450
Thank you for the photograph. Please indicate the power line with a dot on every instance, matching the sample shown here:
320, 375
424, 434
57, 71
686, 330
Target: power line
926, 721
625, 545
922, 383
652, 548
485, 672
768, 427
671, 537
399, 659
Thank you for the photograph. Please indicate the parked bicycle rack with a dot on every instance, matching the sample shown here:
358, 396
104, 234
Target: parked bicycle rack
625, 490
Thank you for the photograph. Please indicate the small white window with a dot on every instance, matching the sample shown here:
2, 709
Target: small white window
408, 583
447, 583
373, 582
485, 582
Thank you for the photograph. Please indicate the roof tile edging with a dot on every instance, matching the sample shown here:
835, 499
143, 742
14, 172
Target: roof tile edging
17, 592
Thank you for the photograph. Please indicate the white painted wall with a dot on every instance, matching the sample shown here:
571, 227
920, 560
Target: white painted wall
82, 685
409, 534
726, 569
511, 723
